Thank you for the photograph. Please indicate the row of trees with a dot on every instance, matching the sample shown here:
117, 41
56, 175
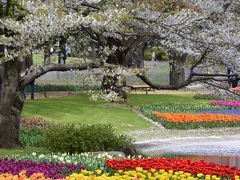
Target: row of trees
206, 30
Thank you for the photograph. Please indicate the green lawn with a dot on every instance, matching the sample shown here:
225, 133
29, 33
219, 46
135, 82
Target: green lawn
21, 151
38, 59
79, 109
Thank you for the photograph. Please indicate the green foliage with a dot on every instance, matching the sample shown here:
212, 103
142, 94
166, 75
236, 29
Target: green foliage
53, 87
206, 97
32, 136
32, 130
85, 138
90, 161
179, 108
79, 108
160, 54
195, 125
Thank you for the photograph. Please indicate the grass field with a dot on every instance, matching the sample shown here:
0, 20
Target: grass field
79, 109
38, 59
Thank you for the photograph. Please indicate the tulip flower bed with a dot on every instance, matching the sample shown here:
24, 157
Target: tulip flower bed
186, 116
50, 170
90, 161
35, 122
32, 130
136, 169
230, 112
187, 120
174, 166
229, 103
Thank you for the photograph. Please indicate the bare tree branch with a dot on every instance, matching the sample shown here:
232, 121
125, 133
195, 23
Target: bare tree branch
39, 71
215, 75
171, 87
220, 87
203, 56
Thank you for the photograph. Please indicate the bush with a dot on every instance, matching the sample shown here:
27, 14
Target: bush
86, 138
53, 87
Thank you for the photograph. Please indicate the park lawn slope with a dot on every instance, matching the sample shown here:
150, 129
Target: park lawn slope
79, 109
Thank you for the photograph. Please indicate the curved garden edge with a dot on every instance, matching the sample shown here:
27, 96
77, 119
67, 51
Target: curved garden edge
137, 110
161, 141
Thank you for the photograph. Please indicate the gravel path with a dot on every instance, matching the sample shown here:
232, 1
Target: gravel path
207, 142
211, 146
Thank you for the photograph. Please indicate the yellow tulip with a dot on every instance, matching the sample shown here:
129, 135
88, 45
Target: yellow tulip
153, 170
139, 169
99, 171
214, 177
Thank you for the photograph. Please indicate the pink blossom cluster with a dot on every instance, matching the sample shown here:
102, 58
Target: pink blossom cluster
231, 103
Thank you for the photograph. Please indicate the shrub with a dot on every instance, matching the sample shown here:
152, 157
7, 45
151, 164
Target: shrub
53, 87
85, 138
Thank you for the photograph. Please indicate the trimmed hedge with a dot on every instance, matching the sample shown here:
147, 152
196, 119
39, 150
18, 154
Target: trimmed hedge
52, 87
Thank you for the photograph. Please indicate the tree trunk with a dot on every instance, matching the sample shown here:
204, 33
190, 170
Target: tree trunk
47, 54
115, 84
177, 67
11, 104
62, 55
132, 56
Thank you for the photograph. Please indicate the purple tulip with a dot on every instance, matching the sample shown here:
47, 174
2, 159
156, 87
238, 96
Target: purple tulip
50, 170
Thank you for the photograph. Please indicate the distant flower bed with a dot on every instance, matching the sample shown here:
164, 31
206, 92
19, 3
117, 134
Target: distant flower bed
231, 112
189, 116
206, 97
35, 122
230, 103
188, 120
185, 118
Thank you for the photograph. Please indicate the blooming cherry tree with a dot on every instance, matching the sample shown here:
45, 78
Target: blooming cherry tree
26, 25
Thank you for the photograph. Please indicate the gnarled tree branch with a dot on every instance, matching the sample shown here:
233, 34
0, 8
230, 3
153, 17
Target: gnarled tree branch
171, 87
39, 71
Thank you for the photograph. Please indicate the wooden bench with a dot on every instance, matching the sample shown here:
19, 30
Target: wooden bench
140, 87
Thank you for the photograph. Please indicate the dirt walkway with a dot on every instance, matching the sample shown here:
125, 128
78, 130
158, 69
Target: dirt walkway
53, 94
